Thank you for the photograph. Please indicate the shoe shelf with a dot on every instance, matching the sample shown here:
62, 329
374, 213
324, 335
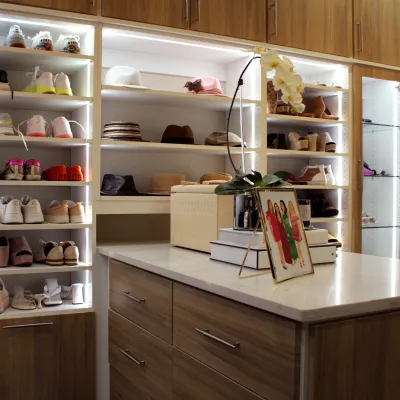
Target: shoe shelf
45, 183
12, 58
66, 308
294, 122
304, 154
320, 187
38, 101
172, 99
43, 269
44, 141
171, 147
113, 205
328, 220
42, 227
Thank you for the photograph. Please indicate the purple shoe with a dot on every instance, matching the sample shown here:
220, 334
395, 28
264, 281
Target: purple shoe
368, 170
14, 170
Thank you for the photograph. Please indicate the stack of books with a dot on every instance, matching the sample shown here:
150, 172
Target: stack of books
232, 247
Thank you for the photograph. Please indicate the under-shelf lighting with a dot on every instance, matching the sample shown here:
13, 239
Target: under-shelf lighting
395, 252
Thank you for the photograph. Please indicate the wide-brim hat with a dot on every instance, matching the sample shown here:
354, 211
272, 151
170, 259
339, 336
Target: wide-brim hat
160, 184
118, 185
124, 76
178, 134
219, 139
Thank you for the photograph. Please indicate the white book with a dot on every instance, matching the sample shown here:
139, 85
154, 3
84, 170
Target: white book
316, 236
257, 257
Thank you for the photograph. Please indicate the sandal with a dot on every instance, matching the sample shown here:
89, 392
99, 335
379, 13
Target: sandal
297, 142
73, 292
21, 301
53, 291
312, 141
20, 252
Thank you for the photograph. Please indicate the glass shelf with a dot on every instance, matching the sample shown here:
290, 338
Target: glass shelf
370, 127
381, 176
372, 226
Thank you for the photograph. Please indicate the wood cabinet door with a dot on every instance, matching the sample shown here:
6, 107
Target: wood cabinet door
244, 19
78, 6
324, 26
376, 31
174, 13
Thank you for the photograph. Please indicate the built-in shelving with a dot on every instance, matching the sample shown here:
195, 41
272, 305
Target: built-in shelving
45, 183
43, 269
42, 227
294, 122
133, 205
328, 220
304, 154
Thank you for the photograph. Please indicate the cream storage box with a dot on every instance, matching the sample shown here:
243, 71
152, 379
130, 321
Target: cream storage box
197, 214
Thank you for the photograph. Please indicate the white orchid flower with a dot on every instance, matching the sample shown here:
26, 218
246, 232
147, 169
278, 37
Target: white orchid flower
291, 97
271, 60
287, 62
299, 108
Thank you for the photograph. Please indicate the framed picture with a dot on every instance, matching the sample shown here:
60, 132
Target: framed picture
284, 233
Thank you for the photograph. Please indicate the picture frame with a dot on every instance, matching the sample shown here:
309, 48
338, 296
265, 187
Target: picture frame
285, 237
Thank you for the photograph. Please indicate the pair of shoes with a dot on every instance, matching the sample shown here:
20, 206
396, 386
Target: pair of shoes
13, 211
44, 82
313, 142
319, 109
66, 212
62, 173
56, 293
59, 127
276, 141
18, 169
4, 297
15, 251
318, 175
51, 253
321, 207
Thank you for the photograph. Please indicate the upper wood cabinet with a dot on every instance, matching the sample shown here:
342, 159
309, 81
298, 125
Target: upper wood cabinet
78, 6
323, 26
376, 31
244, 19
174, 13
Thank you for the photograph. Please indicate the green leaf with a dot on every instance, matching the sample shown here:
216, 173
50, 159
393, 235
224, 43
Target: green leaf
227, 188
270, 179
255, 177
284, 175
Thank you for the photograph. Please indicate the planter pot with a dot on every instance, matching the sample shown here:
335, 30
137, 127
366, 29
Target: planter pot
245, 212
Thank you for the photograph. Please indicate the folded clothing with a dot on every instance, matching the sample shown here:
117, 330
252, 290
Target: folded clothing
122, 130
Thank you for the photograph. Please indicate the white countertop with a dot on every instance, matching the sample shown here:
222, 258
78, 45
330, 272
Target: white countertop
355, 284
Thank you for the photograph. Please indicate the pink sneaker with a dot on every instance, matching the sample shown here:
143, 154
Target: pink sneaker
14, 170
33, 170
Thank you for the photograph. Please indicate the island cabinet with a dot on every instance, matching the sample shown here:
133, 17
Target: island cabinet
77, 6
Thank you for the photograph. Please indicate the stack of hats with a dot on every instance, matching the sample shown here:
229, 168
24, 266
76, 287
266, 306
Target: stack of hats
122, 130
204, 85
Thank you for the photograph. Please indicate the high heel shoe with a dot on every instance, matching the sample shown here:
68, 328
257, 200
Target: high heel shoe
73, 292
319, 109
325, 143
297, 142
312, 141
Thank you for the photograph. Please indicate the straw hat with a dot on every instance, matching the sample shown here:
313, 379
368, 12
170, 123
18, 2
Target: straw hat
215, 178
160, 184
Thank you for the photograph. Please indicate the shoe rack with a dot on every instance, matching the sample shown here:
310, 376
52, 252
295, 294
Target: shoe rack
50, 152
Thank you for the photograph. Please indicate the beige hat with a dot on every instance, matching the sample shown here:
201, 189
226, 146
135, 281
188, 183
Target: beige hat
216, 177
161, 184
219, 139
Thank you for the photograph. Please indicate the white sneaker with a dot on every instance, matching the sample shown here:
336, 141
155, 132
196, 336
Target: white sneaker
6, 125
42, 82
330, 178
62, 84
35, 126
10, 211
15, 38
61, 128
42, 41
31, 211
68, 44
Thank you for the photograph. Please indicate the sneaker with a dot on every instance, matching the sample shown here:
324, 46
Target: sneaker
42, 82
6, 124
10, 211
62, 84
61, 128
330, 178
58, 173
313, 175
68, 44
32, 170
71, 253
31, 210
75, 173
42, 41
57, 213
35, 126
76, 212
15, 38
14, 170
4, 84
50, 253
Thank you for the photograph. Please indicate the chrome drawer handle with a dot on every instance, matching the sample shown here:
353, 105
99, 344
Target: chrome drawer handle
27, 325
207, 333
126, 354
130, 297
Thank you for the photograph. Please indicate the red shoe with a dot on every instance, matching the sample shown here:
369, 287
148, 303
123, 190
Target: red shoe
58, 173
75, 173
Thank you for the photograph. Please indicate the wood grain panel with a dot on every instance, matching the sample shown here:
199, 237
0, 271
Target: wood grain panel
155, 313
153, 378
237, 18
78, 6
356, 359
174, 13
122, 389
195, 381
266, 360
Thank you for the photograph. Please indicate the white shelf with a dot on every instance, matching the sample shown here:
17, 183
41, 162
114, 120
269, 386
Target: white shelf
320, 187
12, 58
43, 269
38, 101
66, 308
294, 121
304, 154
328, 220
133, 205
172, 99
312, 91
45, 183
43, 141
170, 147
42, 227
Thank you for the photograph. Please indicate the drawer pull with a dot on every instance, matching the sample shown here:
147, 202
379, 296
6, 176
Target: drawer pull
130, 297
126, 354
207, 333
27, 325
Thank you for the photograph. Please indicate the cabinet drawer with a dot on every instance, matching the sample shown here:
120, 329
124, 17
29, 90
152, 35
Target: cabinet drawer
254, 348
143, 298
141, 358
195, 381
